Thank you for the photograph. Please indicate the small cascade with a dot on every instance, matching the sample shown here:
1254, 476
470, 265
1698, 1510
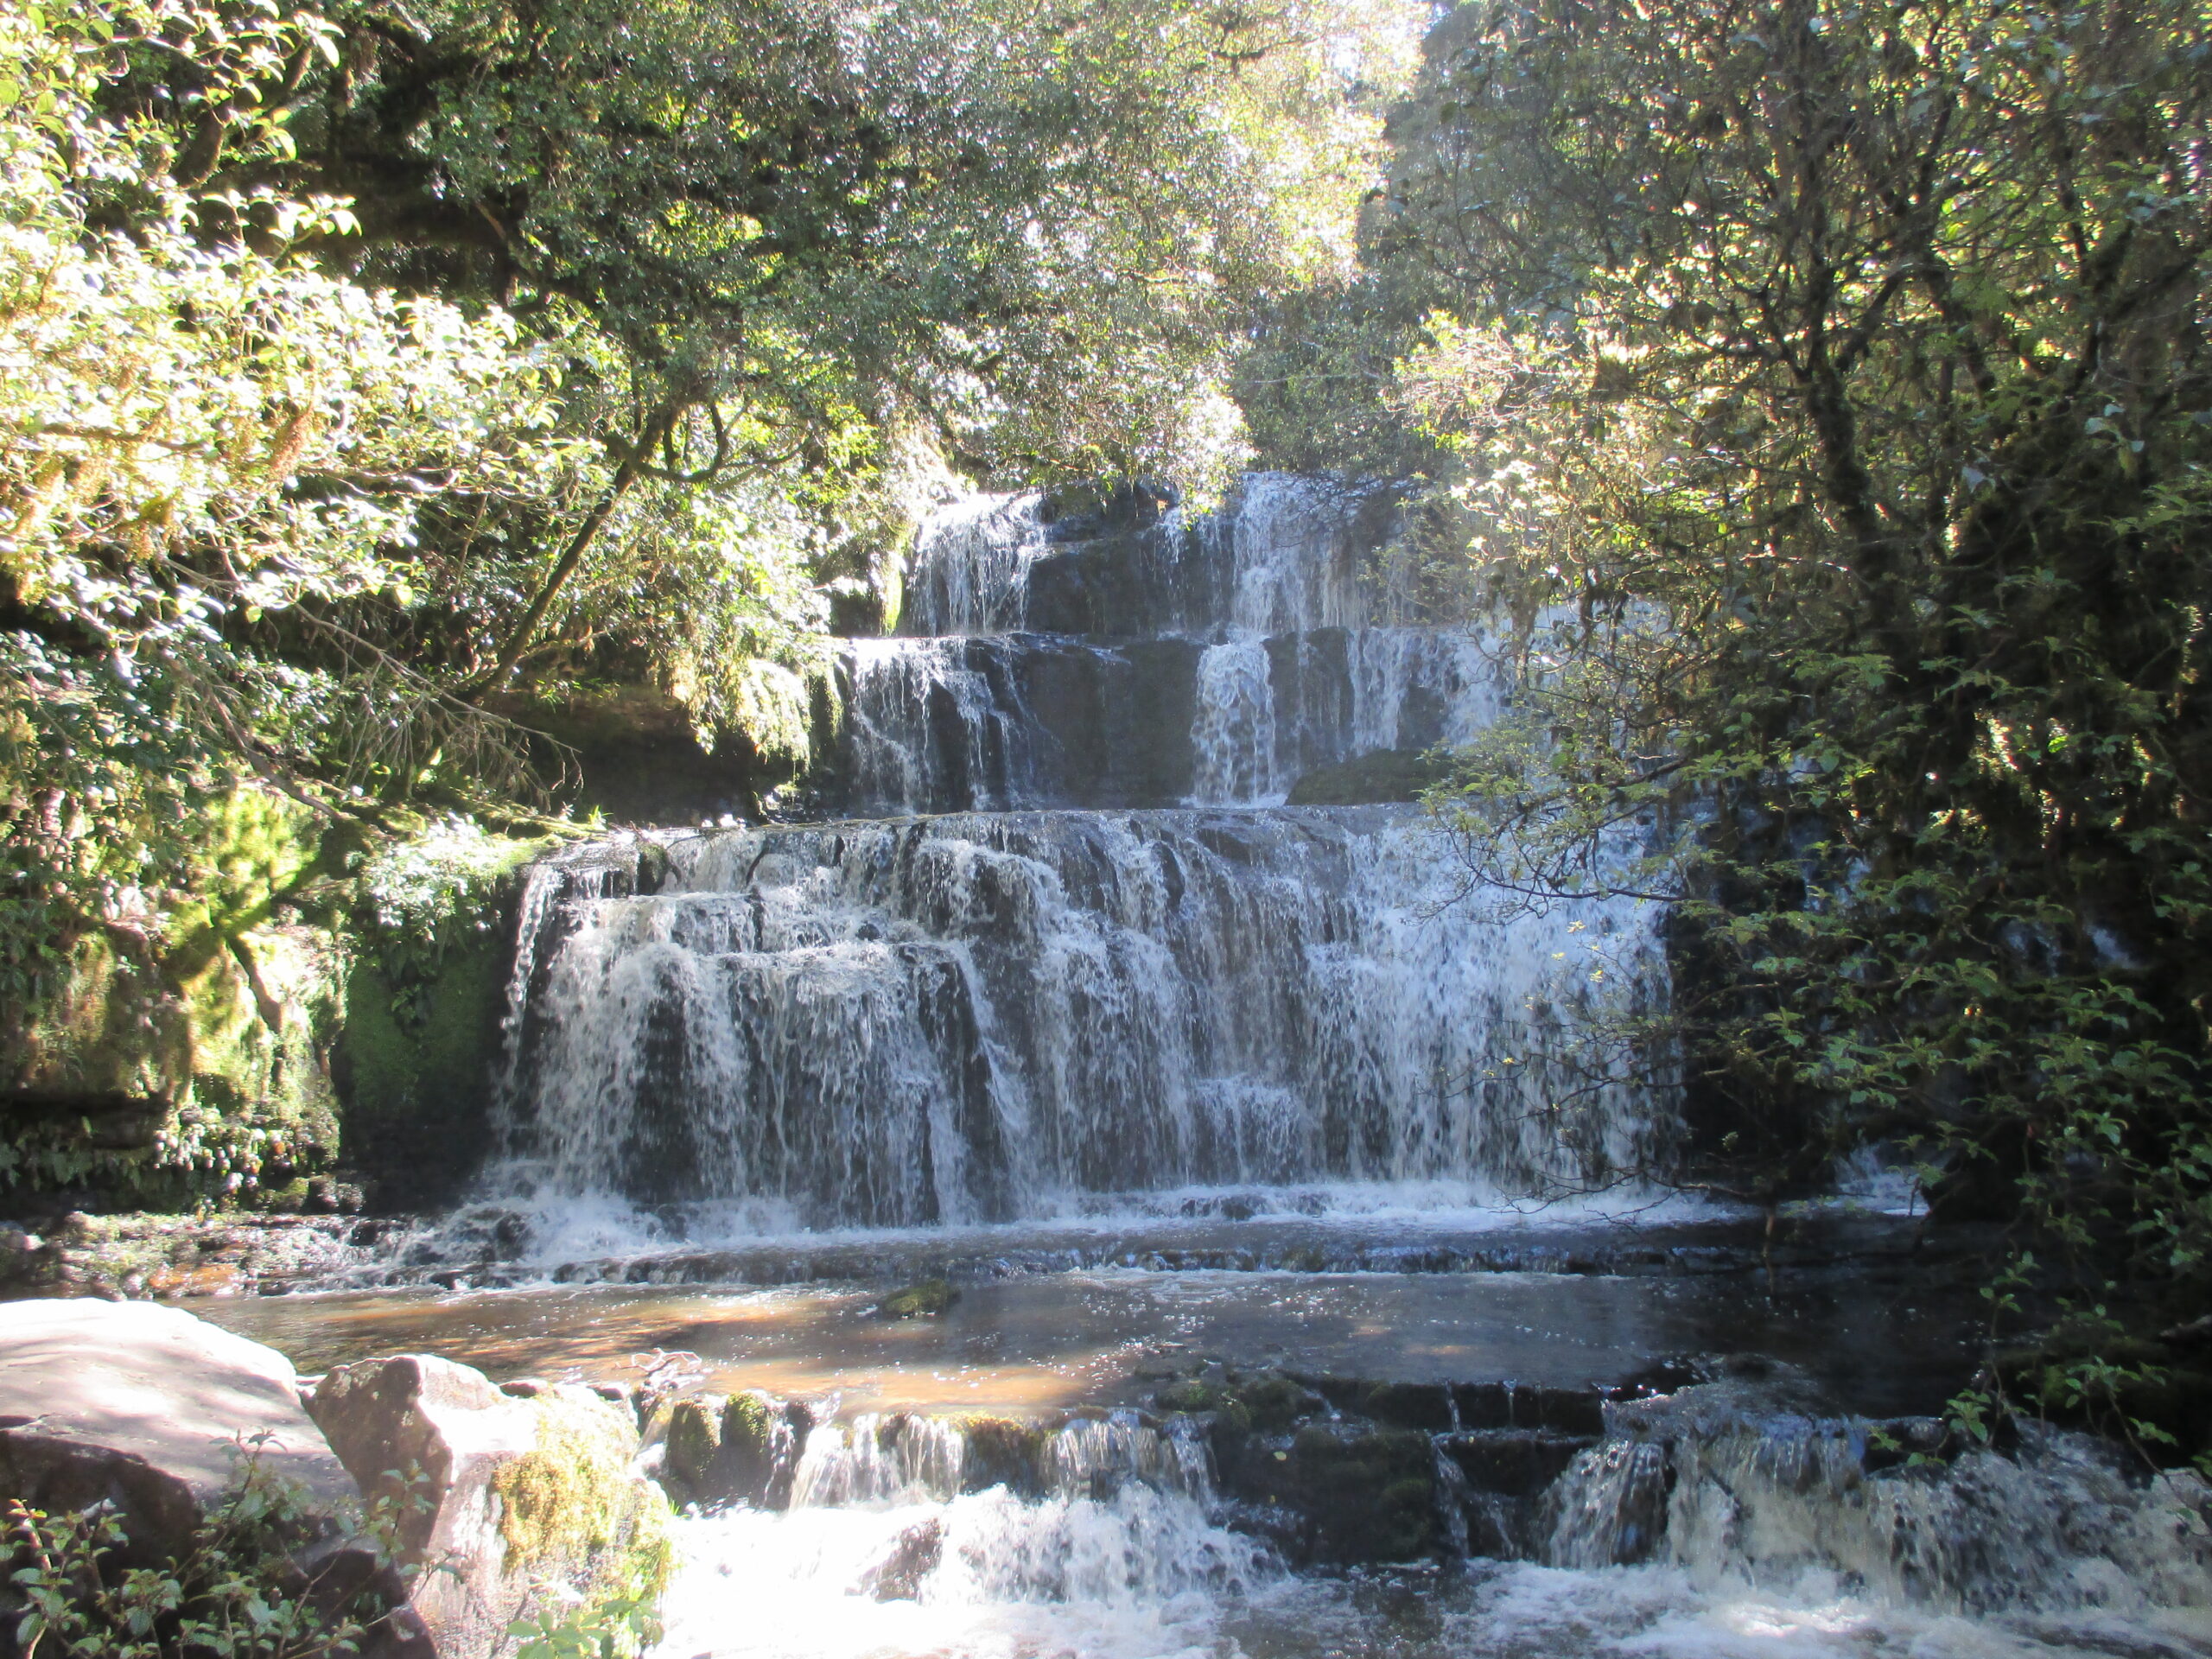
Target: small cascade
1736, 1494
876, 1458
1234, 734
969, 1527
1142, 657
1106, 1535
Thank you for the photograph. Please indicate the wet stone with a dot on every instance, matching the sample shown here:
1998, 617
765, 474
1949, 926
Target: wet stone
1360, 1493
1512, 1462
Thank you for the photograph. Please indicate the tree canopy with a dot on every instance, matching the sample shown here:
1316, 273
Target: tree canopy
372, 373
1827, 386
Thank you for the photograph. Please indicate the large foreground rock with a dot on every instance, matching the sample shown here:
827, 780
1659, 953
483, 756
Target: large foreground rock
149, 1409
158, 1415
503, 1506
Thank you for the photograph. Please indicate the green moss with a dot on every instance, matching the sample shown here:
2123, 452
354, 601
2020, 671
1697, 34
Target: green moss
1272, 1402
746, 1425
1002, 1452
928, 1299
573, 1500
408, 1085
690, 1440
1372, 1496
1191, 1394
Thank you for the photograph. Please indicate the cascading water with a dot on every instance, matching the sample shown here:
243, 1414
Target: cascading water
1708, 1524
982, 1017
1005, 1014
1116, 976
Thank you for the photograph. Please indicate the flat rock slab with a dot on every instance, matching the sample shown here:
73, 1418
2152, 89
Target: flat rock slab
149, 1408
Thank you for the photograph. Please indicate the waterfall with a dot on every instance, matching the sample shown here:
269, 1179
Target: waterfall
978, 1017
2059, 1521
1015, 1009
1099, 660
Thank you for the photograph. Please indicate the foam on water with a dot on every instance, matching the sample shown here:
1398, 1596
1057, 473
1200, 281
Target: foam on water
1143, 1575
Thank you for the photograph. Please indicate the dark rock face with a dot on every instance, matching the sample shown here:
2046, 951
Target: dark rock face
960, 724
1384, 775
1336, 1492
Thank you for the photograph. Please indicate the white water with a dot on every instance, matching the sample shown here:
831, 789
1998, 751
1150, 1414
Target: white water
974, 1019
884, 1559
1282, 593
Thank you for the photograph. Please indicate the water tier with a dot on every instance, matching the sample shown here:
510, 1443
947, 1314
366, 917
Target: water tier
1137, 657
978, 1017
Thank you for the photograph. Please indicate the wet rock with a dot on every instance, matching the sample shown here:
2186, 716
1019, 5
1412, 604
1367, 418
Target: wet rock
899, 1576
1003, 1453
1512, 1462
1271, 1401
1360, 1493
1192, 1395
1384, 775
1511, 1405
710, 1452
1426, 1406
500, 1505
690, 1437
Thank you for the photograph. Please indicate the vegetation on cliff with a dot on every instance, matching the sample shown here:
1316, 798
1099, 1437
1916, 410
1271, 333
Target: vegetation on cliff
1826, 388
373, 383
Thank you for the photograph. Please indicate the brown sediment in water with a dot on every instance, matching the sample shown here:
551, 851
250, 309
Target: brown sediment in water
1048, 1342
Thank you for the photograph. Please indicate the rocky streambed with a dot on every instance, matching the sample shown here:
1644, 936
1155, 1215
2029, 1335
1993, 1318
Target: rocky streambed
1131, 1462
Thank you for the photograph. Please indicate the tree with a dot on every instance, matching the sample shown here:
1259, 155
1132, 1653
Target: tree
1842, 370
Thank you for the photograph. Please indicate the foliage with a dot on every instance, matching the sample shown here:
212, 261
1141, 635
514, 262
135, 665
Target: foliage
574, 1495
434, 892
236, 1593
369, 380
1826, 390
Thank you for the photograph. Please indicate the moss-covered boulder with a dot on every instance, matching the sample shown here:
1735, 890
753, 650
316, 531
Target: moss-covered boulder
1344, 1492
712, 1452
504, 1509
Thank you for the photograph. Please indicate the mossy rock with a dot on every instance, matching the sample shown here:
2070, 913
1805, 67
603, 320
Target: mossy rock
929, 1299
1273, 1402
1361, 1494
744, 1467
416, 1094
1191, 1394
691, 1441
1002, 1452
572, 1509
1371, 1496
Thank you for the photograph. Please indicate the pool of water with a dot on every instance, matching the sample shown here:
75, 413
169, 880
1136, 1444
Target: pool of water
1051, 1341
